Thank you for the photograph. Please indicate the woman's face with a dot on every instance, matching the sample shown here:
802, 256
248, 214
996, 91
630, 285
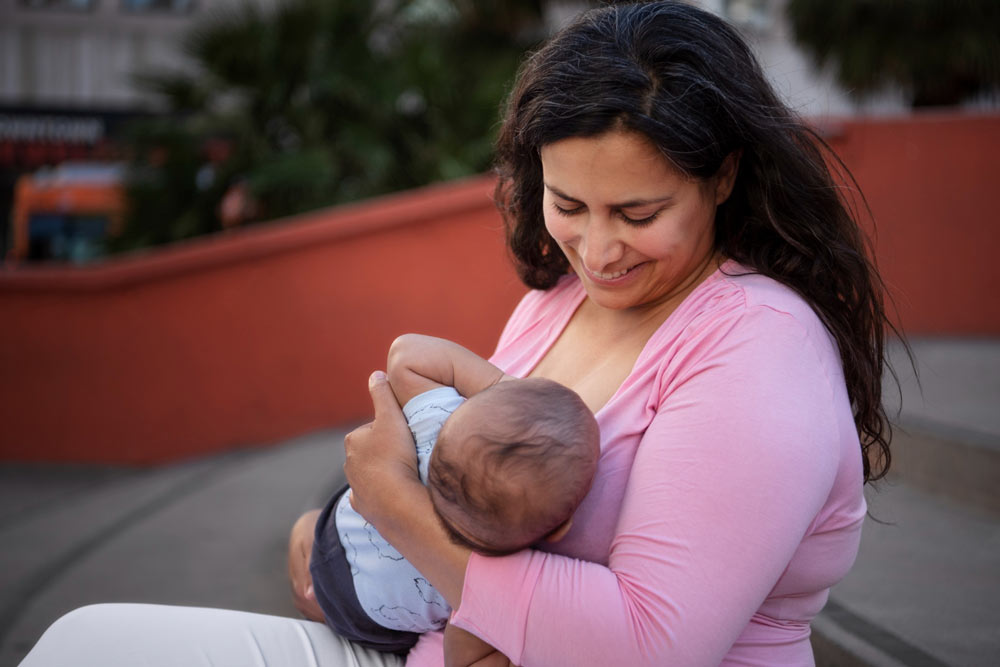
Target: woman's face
636, 231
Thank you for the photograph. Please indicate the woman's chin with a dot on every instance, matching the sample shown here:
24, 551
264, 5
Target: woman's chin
620, 293
611, 300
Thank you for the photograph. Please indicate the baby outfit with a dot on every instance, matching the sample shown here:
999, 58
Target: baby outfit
368, 592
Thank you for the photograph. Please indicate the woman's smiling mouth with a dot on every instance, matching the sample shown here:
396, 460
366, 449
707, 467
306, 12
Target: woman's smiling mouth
611, 276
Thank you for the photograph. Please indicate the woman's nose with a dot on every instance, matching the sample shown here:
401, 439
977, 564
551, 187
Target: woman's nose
600, 245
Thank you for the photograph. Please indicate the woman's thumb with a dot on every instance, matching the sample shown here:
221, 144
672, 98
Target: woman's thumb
382, 396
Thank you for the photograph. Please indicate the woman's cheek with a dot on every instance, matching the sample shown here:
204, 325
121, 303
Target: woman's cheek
559, 228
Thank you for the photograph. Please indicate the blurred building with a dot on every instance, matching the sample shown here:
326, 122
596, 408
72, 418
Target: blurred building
67, 70
66, 77
72, 54
812, 92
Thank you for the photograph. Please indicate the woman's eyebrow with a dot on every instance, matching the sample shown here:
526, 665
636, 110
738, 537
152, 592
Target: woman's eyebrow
626, 204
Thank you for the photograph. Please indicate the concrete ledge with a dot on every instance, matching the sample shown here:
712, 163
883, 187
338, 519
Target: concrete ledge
260, 240
842, 638
833, 646
957, 469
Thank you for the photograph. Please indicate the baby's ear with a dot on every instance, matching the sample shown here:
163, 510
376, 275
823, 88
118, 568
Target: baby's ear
560, 531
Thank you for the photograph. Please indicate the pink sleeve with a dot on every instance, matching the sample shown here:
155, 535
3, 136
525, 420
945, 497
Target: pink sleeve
738, 460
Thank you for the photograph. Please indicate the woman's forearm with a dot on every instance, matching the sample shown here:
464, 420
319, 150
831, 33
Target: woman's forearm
411, 526
381, 467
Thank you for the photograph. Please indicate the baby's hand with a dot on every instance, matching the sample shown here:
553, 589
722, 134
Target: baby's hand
300, 544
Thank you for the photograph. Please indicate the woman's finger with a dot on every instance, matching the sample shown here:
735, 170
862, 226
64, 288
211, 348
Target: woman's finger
379, 455
383, 400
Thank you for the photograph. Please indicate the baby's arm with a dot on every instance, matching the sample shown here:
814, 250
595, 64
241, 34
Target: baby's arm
420, 363
464, 649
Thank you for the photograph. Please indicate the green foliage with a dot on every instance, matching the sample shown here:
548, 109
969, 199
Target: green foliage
319, 102
940, 51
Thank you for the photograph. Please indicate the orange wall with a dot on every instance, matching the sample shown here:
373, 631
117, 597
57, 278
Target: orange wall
270, 331
248, 338
932, 182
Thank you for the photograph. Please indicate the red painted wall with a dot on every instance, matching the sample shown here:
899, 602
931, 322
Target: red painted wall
270, 331
246, 338
932, 182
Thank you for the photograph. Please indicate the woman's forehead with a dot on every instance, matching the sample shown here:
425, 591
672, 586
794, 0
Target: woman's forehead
618, 164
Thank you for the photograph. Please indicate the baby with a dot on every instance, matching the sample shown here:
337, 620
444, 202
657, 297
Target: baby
506, 462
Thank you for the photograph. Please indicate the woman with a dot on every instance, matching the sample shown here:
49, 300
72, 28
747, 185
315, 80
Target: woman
700, 283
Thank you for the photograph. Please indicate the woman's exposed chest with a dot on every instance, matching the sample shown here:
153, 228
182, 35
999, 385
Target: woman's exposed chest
594, 353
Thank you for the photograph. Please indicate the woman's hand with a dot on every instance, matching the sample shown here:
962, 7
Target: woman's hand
464, 649
381, 467
380, 456
300, 544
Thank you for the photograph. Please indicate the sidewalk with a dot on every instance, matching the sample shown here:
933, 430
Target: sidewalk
211, 532
925, 590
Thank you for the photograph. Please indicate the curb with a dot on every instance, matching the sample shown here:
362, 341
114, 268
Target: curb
961, 466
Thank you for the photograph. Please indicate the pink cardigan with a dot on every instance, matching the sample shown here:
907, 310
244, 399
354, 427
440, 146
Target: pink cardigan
728, 498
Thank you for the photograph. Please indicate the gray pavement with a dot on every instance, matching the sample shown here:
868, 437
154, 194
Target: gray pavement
211, 532
958, 393
925, 589
927, 580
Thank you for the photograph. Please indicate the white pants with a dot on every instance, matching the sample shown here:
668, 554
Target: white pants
119, 635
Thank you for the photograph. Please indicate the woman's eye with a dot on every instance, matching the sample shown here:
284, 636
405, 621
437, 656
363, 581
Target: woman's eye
635, 222
566, 211
639, 222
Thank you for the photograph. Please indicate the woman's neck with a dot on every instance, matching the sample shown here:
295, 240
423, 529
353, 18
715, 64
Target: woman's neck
599, 346
650, 316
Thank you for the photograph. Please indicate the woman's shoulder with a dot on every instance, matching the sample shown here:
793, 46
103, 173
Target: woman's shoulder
539, 307
768, 302
739, 328
736, 292
738, 308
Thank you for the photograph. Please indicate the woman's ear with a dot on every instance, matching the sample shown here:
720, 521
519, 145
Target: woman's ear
560, 532
725, 177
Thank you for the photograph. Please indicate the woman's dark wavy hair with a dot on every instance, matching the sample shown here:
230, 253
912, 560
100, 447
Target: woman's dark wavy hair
688, 82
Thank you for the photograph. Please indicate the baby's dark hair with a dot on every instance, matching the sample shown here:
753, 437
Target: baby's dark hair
519, 470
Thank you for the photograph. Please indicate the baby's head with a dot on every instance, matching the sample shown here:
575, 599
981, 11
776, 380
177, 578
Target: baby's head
512, 463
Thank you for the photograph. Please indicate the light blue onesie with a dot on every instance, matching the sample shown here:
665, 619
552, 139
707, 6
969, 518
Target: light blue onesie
391, 591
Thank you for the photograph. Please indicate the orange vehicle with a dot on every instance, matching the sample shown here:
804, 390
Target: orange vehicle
65, 213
